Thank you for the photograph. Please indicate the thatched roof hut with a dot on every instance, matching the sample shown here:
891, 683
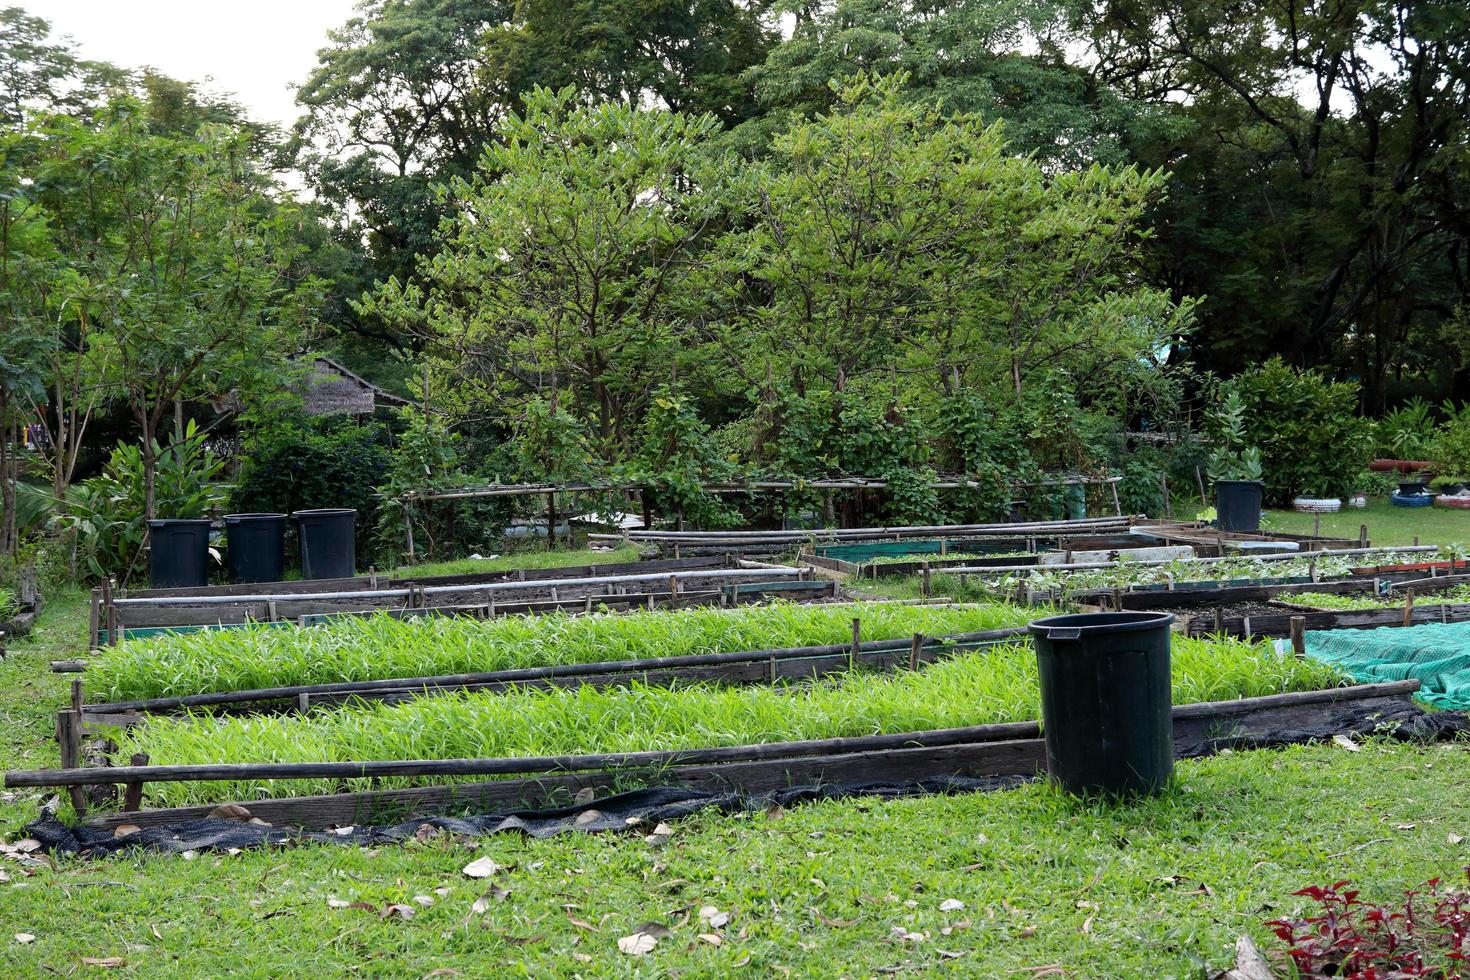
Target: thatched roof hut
331, 389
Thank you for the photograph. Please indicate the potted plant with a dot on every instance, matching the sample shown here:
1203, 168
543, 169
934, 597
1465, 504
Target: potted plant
1235, 469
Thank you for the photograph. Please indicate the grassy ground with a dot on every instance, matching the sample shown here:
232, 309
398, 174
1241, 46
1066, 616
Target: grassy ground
525, 558
1387, 524
1048, 886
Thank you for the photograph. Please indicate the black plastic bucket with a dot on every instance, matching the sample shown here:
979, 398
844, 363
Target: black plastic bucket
178, 554
256, 546
1238, 505
328, 542
1106, 703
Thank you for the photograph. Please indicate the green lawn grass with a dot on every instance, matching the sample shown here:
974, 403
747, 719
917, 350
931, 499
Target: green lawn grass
1149, 890
1387, 525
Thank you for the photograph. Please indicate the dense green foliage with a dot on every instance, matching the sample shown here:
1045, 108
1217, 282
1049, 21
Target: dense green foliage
291, 463
380, 647
109, 514
995, 685
1310, 439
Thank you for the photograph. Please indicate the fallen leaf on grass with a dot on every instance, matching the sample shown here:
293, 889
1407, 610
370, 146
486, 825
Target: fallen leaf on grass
124, 829
582, 957
1050, 970
775, 811
337, 903
520, 940
1342, 741
154, 929
106, 962
951, 905
586, 817
400, 911
638, 944
710, 938
1454, 839
24, 937
27, 845
1404, 826
189, 855
664, 830
423, 900
946, 954
481, 868
443, 971
580, 924
715, 918
833, 923
584, 795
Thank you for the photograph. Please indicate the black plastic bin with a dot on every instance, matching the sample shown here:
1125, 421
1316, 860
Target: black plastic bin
178, 554
1106, 704
256, 546
328, 542
1238, 505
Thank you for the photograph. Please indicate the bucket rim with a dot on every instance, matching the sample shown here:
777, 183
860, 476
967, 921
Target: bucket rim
177, 521
323, 512
1075, 626
255, 517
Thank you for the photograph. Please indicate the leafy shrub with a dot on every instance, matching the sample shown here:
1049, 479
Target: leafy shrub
1427, 936
1233, 457
295, 462
9, 604
986, 446
1407, 432
427, 457
107, 512
677, 456
1451, 445
1311, 439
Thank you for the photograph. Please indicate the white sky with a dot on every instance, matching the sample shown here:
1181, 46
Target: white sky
253, 51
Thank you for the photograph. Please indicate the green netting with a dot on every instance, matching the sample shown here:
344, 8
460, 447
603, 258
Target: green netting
1435, 653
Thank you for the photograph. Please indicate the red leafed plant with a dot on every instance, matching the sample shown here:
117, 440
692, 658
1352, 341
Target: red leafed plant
1350, 939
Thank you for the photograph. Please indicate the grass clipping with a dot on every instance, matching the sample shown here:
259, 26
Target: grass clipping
381, 647
998, 685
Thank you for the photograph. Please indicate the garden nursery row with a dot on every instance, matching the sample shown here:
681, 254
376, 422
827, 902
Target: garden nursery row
857, 655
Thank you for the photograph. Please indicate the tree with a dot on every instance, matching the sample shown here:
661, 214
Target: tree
562, 271
24, 338
1320, 199
38, 75
185, 266
890, 237
994, 59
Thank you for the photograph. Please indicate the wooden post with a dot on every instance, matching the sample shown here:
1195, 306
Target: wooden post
1298, 628
1219, 621
928, 587
1416, 540
1408, 606
1246, 622
647, 510
133, 788
303, 702
1312, 569
270, 611
551, 520
1117, 505
914, 647
1199, 477
408, 528
111, 613
857, 639
1317, 524
1164, 491
94, 619
1362, 536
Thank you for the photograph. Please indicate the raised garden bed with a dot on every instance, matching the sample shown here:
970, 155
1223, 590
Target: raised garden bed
112, 617
1013, 749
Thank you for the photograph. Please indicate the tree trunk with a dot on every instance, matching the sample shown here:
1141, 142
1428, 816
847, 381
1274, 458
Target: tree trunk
9, 543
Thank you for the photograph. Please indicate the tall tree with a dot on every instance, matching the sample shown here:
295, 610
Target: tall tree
40, 75
186, 264
1319, 168
561, 272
